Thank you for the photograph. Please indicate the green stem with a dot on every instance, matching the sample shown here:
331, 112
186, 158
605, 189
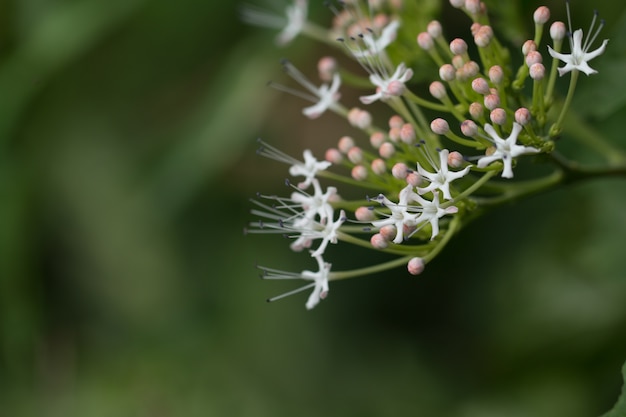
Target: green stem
555, 130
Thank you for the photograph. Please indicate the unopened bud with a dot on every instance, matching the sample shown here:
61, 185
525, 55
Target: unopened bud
473, 6
455, 159
447, 72
414, 179
533, 57
378, 166
345, 144
355, 155
439, 126
394, 134
388, 232
400, 170
416, 266
458, 46
386, 150
437, 90
359, 118
359, 172
364, 214
522, 116
476, 110
327, 67
528, 46
496, 74
558, 31
395, 121
491, 101
458, 61
480, 86
537, 71
457, 3
377, 139
378, 241
407, 133
333, 155
425, 41
469, 128
498, 116
434, 29
541, 15
483, 36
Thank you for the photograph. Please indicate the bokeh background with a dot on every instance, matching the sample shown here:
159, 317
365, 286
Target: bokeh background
127, 288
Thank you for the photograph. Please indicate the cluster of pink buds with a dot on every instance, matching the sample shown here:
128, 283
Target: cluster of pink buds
442, 158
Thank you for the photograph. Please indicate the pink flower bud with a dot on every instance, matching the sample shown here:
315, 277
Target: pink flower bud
395, 121
475, 28
377, 139
359, 118
498, 116
470, 69
327, 67
455, 159
388, 232
364, 214
537, 71
359, 172
355, 155
458, 46
394, 134
386, 150
480, 86
437, 90
345, 144
469, 128
380, 20
407, 133
434, 29
457, 3
496, 74
483, 36
528, 46
378, 166
557, 31
400, 170
447, 72
439, 126
416, 266
476, 110
333, 155
425, 41
522, 116
414, 179
533, 57
458, 61
541, 15
378, 241
491, 101
473, 6
396, 88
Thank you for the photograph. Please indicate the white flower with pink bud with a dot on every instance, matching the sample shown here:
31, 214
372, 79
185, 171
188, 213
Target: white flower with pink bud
308, 169
387, 87
505, 149
442, 177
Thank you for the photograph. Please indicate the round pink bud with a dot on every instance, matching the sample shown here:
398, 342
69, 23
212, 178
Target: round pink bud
395, 121
396, 88
541, 15
522, 116
458, 61
437, 90
528, 46
386, 150
491, 101
447, 72
355, 155
458, 46
359, 172
557, 31
378, 166
364, 214
496, 74
359, 118
480, 85
439, 126
425, 41
537, 71
407, 133
476, 110
394, 134
327, 67
471, 69
483, 36
333, 155
475, 28
455, 159
380, 20
388, 232
533, 57
498, 116
473, 6
434, 29
345, 144
414, 179
377, 139
457, 3
378, 241
400, 170
415, 266
469, 128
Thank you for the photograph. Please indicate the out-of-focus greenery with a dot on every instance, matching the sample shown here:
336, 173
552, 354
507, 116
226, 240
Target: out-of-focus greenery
127, 288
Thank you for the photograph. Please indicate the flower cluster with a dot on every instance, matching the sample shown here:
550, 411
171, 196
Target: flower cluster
429, 178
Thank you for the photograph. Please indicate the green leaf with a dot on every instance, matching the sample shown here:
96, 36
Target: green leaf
620, 407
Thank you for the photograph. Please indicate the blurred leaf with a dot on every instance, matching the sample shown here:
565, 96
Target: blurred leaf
620, 407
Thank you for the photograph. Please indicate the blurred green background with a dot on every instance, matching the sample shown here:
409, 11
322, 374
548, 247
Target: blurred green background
127, 288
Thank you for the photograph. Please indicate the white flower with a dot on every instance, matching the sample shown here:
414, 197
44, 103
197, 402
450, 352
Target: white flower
374, 46
388, 87
431, 212
319, 284
308, 169
580, 55
291, 24
402, 214
328, 97
318, 204
506, 150
328, 234
441, 179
